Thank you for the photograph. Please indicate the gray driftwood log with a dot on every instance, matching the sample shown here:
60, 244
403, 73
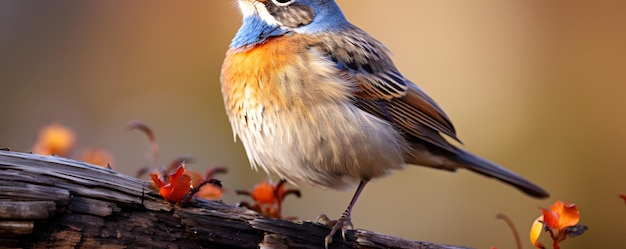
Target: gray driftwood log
54, 202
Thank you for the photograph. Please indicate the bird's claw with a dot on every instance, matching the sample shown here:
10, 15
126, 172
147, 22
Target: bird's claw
344, 223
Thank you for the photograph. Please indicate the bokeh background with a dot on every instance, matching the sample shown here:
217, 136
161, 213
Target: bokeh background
537, 86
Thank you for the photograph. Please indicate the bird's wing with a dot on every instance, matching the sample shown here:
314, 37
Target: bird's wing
384, 92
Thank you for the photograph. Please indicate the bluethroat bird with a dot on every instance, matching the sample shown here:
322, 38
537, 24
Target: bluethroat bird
319, 102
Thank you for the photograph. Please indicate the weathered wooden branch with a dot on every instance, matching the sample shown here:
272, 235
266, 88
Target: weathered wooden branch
54, 202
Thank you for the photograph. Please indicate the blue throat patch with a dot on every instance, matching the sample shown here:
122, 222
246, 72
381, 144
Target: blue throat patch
254, 31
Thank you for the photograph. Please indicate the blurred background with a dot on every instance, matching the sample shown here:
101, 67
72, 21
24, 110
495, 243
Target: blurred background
536, 86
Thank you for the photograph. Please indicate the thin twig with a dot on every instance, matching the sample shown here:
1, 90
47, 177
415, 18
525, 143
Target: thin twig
511, 225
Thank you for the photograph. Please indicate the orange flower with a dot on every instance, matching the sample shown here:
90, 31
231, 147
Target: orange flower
263, 193
560, 221
561, 215
268, 198
54, 139
210, 192
178, 186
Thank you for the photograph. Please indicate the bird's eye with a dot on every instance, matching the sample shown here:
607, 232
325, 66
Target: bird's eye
283, 2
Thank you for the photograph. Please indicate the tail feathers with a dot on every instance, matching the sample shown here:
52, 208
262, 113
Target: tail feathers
490, 169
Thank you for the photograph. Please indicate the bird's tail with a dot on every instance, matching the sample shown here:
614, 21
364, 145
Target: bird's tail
490, 169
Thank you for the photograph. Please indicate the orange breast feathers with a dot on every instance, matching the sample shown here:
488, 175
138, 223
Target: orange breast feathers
281, 73
254, 73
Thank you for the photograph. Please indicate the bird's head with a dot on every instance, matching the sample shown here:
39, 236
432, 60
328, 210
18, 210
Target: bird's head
263, 19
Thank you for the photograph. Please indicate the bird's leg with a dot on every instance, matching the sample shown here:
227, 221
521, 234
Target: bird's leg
344, 222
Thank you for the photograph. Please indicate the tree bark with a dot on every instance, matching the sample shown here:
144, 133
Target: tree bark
54, 202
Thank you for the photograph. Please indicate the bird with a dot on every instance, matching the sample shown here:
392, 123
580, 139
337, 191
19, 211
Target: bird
319, 102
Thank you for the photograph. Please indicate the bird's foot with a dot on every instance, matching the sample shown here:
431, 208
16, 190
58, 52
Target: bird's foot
344, 223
